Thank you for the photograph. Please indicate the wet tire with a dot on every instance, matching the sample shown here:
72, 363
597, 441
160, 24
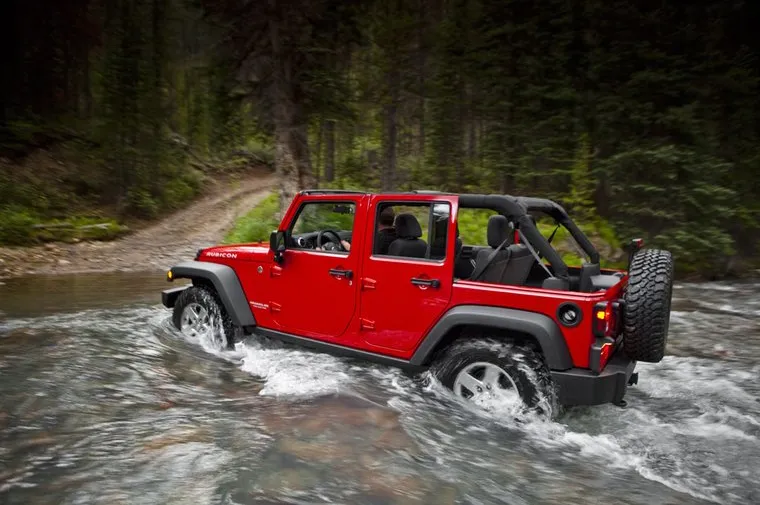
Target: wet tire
647, 297
215, 314
526, 370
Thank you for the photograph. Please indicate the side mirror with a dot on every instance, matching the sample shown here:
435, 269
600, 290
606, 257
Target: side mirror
277, 245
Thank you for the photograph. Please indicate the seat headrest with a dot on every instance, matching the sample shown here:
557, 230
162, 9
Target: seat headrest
407, 226
499, 230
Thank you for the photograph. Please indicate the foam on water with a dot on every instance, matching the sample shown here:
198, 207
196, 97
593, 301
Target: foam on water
291, 372
698, 379
634, 439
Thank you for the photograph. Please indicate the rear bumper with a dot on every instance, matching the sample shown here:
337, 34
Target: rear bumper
579, 386
169, 296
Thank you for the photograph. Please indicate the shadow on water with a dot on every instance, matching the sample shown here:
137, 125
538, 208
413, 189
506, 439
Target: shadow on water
101, 401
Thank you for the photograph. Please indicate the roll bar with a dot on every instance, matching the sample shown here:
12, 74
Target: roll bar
517, 209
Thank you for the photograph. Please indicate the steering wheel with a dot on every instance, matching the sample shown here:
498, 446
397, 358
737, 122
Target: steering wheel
338, 245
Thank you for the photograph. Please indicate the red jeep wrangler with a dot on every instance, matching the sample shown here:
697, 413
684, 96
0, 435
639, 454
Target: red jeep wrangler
385, 277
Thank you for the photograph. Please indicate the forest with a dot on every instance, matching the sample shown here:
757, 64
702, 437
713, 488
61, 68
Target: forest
641, 117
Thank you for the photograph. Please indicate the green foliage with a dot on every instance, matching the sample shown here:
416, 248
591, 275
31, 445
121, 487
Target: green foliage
258, 223
123, 106
676, 199
580, 200
19, 227
79, 228
182, 189
473, 226
16, 226
636, 135
261, 149
142, 204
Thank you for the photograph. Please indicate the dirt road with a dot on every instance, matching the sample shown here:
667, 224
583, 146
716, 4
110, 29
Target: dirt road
175, 238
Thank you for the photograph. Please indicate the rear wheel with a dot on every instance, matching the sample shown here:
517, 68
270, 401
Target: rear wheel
493, 374
199, 315
648, 296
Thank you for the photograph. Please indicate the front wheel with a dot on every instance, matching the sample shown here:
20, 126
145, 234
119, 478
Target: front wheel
494, 374
199, 315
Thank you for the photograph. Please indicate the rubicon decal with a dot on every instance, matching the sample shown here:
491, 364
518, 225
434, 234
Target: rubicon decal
215, 254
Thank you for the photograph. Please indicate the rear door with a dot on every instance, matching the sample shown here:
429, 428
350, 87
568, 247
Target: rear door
314, 292
402, 296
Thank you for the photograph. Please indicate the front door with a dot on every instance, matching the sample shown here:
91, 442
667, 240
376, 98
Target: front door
406, 286
314, 289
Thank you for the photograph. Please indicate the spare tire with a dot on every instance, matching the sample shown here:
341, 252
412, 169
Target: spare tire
647, 297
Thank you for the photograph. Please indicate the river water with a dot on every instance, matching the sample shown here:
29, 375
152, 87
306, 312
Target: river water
102, 402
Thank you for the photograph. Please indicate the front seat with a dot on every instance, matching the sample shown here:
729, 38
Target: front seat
513, 262
408, 243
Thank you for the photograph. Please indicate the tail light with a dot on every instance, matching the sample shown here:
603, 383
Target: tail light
606, 326
606, 319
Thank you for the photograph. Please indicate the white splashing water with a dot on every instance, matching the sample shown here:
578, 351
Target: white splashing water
639, 440
683, 411
290, 372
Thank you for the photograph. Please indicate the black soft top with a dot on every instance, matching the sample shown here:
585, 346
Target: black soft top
518, 209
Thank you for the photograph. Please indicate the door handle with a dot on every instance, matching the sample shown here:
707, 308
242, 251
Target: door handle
433, 283
337, 272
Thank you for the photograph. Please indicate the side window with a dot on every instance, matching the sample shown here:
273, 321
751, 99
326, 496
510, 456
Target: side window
324, 226
412, 230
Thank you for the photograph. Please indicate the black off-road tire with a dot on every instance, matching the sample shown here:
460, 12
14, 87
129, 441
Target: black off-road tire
646, 318
525, 366
208, 298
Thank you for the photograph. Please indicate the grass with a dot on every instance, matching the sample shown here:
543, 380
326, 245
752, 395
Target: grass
258, 223
22, 227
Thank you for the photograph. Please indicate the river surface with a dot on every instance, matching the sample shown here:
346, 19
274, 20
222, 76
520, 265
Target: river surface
102, 402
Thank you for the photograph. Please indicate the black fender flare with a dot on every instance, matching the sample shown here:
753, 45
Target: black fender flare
227, 285
539, 326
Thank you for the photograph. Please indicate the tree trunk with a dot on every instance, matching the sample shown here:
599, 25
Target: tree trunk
421, 67
391, 132
330, 148
82, 90
472, 125
462, 152
291, 159
319, 164
508, 179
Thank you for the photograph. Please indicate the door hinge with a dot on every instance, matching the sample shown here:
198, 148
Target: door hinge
366, 324
368, 283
